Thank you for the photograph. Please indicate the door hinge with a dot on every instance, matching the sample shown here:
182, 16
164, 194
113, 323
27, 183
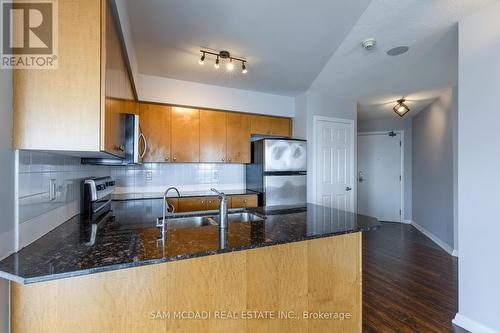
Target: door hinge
400, 212
400, 144
400, 179
392, 134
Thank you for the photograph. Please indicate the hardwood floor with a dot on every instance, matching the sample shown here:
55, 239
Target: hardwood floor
409, 283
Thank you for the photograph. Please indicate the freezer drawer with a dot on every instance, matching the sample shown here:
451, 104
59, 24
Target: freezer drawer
285, 190
285, 155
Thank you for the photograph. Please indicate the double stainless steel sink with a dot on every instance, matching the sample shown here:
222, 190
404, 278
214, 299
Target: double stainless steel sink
210, 220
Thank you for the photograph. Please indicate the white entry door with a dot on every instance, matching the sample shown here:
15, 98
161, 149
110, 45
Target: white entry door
380, 175
334, 163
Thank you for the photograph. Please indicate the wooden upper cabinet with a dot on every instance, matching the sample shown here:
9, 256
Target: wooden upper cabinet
212, 136
238, 138
59, 109
185, 134
155, 126
77, 106
267, 125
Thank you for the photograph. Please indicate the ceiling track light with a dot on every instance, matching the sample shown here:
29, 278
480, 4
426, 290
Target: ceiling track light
223, 55
401, 108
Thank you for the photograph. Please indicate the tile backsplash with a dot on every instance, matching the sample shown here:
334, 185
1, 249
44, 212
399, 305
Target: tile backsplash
156, 177
37, 169
38, 214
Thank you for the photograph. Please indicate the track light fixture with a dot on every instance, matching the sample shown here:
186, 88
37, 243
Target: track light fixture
202, 59
401, 108
223, 55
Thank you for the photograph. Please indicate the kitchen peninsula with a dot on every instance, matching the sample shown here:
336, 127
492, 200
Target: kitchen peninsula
298, 262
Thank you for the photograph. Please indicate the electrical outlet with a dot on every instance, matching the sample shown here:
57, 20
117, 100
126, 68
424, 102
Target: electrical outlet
52, 190
149, 175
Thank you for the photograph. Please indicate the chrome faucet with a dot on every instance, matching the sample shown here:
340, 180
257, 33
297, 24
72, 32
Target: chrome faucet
170, 208
222, 208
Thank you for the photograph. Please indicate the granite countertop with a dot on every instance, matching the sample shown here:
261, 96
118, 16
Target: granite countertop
173, 194
132, 239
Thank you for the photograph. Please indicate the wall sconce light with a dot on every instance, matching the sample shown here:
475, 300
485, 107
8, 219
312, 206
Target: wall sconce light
401, 108
224, 55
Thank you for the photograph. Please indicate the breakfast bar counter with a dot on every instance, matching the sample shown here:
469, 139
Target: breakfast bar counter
294, 264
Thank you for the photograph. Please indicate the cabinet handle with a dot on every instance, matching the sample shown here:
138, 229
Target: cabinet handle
166, 159
202, 201
175, 158
244, 201
120, 148
229, 160
223, 159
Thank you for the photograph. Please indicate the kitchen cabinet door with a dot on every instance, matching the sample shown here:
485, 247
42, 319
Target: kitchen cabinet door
281, 126
212, 136
155, 125
192, 204
185, 134
266, 125
213, 203
244, 201
238, 138
114, 130
174, 202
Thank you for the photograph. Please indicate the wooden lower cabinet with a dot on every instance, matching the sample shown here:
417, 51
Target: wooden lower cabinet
192, 204
244, 201
312, 277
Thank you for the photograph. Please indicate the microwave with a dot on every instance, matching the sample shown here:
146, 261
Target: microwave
134, 140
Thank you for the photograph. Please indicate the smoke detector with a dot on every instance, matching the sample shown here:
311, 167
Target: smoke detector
369, 43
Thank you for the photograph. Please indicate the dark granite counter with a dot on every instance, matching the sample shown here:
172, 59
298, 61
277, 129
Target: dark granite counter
173, 194
132, 239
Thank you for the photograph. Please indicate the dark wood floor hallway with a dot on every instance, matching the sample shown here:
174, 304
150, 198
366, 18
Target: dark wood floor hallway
409, 283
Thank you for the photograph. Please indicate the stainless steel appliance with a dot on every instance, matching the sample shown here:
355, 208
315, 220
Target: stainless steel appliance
97, 203
279, 171
134, 141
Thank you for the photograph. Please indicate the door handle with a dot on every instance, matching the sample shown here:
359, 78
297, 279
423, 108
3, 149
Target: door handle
348, 188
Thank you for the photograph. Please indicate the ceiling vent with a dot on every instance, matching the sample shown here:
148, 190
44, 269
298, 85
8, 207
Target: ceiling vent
398, 51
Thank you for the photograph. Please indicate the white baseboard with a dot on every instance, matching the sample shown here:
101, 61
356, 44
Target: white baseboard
471, 325
435, 239
407, 221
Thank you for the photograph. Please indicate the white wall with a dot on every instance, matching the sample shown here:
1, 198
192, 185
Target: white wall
478, 167
170, 91
7, 194
310, 104
395, 124
433, 169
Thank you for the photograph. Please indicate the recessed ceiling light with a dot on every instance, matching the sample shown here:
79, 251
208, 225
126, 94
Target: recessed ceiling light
399, 50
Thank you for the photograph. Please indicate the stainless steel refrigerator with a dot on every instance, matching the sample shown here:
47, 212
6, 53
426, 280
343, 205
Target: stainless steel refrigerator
279, 171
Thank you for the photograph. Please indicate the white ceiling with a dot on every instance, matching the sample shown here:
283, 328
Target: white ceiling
286, 42
296, 45
376, 80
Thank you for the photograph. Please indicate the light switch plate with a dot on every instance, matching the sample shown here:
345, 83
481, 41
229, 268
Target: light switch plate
149, 175
52, 190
